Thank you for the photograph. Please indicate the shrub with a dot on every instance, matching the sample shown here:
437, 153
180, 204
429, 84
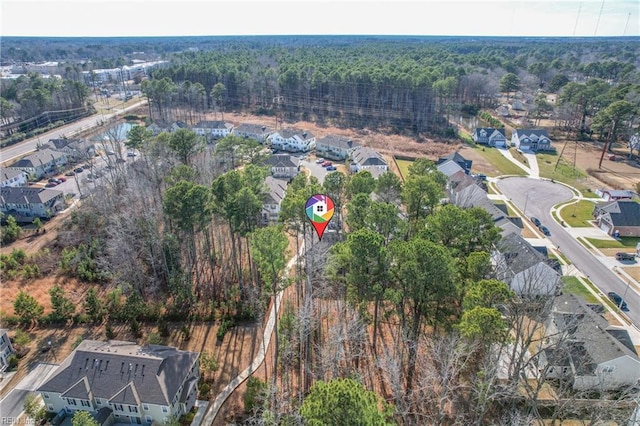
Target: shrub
110, 332
256, 390
205, 388
77, 342
225, 325
186, 333
154, 339
21, 338
12, 362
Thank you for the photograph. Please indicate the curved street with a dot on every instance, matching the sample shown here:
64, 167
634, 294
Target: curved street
536, 198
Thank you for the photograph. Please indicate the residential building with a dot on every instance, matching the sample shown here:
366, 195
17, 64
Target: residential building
458, 159
583, 348
531, 140
156, 129
40, 163
283, 166
335, 147
275, 191
213, 129
253, 131
365, 158
75, 149
489, 136
293, 140
26, 203
6, 349
615, 194
13, 177
177, 125
503, 111
525, 269
139, 384
619, 218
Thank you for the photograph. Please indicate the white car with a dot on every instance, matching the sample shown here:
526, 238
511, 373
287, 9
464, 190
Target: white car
320, 161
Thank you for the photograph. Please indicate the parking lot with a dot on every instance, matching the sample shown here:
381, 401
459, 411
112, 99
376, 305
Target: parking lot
316, 169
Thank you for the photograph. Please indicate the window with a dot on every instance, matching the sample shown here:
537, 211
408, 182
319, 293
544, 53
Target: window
71, 401
165, 409
49, 407
46, 395
85, 403
118, 407
98, 401
145, 407
148, 419
133, 409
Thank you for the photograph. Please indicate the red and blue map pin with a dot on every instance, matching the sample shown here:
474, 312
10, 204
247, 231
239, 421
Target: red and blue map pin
319, 210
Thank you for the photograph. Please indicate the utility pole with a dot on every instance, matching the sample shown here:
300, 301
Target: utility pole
278, 100
607, 142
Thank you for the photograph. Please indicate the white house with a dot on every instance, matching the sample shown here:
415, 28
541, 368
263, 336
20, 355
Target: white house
38, 164
365, 158
293, 140
139, 384
489, 136
253, 131
585, 349
283, 166
335, 147
13, 177
6, 349
274, 194
27, 203
213, 129
531, 140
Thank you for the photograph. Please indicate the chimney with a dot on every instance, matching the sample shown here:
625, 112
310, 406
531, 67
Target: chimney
304, 134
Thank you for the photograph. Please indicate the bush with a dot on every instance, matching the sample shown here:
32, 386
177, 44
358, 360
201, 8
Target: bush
225, 325
155, 339
256, 390
493, 122
186, 333
110, 332
77, 342
12, 362
205, 388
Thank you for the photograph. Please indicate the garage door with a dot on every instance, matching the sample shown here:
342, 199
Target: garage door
604, 227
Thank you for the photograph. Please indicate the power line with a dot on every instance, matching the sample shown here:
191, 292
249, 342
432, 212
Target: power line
599, 15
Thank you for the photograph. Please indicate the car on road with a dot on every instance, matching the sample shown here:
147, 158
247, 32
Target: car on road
327, 163
625, 256
331, 168
535, 221
544, 230
617, 299
78, 170
320, 161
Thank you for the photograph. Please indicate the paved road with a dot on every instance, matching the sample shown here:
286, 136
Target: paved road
29, 145
539, 196
12, 405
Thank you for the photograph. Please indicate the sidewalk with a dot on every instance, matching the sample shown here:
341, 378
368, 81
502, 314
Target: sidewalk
508, 156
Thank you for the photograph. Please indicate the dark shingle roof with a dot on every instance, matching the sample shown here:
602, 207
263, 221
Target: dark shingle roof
80, 390
213, 125
10, 173
489, 130
257, 129
368, 157
39, 157
338, 142
27, 195
128, 395
124, 371
622, 212
449, 168
61, 143
290, 133
282, 160
276, 189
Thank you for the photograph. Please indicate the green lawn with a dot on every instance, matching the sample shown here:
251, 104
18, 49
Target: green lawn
565, 172
624, 242
578, 214
503, 166
589, 194
573, 286
403, 165
519, 156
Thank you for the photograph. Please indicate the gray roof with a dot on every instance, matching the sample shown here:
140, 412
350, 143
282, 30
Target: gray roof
532, 133
10, 173
340, 142
365, 156
282, 160
539, 279
291, 133
257, 129
489, 130
62, 142
27, 195
449, 168
588, 331
180, 124
276, 189
620, 193
517, 254
622, 212
124, 372
37, 158
213, 125
80, 390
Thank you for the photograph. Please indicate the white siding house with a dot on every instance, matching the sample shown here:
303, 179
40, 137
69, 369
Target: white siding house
27, 203
40, 163
13, 177
213, 129
293, 140
335, 147
140, 384
6, 349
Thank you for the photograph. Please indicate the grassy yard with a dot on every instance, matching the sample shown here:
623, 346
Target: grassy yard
504, 166
578, 214
519, 156
403, 165
623, 242
565, 172
573, 286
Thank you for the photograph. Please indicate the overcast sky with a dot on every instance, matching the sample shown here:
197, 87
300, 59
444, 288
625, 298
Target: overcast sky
297, 17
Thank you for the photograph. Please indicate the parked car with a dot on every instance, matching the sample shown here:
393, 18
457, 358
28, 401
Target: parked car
70, 173
319, 160
544, 230
625, 256
78, 170
62, 179
535, 221
331, 168
617, 299
53, 180
131, 154
50, 185
327, 163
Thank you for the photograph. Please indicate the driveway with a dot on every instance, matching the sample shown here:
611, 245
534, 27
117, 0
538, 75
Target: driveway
12, 405
540, 196
316, 169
